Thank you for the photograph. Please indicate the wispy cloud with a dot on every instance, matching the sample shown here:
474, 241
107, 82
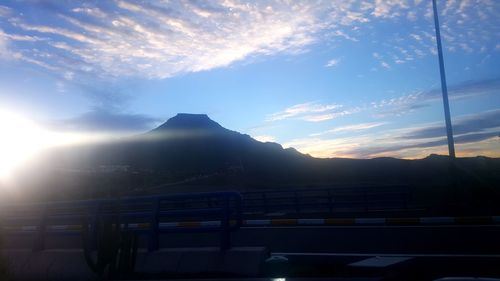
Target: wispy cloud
394, 149
5, 11
350, 128
409, 103
265, 138
472, 123
332, 62
471, 134
312, 112
397, 106
103, 121
157, 40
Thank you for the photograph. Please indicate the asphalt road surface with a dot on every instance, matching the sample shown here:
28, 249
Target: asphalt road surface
422, 240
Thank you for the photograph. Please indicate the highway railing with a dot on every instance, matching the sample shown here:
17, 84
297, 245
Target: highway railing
334, 200
149, 216
198, 212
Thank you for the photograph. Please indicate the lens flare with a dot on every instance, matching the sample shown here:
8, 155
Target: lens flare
20, 140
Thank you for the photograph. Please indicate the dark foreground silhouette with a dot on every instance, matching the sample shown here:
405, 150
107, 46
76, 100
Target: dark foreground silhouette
191, 152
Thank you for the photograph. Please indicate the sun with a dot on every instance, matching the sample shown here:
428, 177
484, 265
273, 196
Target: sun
20, 140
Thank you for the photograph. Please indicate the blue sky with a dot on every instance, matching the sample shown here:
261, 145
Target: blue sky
330, 78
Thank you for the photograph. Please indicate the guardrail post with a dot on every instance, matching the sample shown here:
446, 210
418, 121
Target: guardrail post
39, 244
225, 242
330, 201
296, 199
406, 197
266, 208
365, 200
239, 210
154, 227
94, 225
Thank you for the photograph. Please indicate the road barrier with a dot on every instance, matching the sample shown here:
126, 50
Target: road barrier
149, 216
339, 199
190, 225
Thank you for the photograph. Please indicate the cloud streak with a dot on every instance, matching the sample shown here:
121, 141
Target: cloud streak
156, 40
472, 130
103, 121
332, 63
317, 112
472, 123
311, 111
350, 128
409, 103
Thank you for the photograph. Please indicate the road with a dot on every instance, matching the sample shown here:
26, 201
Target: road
450, 239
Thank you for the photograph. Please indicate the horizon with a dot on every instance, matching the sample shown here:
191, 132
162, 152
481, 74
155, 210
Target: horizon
264, 141
341, 79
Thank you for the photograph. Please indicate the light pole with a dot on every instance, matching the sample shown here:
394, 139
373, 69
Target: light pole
444, 88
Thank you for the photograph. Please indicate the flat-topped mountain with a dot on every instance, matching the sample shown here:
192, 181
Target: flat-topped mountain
189, 145
194, 149
187, 121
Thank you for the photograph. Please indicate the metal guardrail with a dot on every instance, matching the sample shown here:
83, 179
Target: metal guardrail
328, 200
149, 216
218, 211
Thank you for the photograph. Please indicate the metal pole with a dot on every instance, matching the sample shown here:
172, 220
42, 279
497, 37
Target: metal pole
444, 89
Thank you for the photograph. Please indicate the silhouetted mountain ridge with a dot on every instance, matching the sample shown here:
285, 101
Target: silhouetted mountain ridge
191, 152
191, 146
187, 121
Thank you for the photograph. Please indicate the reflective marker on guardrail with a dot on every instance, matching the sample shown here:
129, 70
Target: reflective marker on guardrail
477, 220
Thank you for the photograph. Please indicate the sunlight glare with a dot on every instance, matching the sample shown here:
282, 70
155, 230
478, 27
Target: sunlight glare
20, 140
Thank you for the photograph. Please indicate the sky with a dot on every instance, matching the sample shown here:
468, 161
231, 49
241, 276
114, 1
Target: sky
330, 78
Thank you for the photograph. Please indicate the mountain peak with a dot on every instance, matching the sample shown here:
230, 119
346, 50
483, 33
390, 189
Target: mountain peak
189, 121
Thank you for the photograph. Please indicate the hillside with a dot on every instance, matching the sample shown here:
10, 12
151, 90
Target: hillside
193, 150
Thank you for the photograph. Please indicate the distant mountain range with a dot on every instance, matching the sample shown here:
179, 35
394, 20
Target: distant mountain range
193, 149
188, 144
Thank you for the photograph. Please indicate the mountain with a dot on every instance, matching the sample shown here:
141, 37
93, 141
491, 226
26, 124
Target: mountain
195, 144
193, 152
189, 145
186, 121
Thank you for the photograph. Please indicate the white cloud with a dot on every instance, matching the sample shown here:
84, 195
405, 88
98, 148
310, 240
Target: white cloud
332, 62
265, 138
92, 11
321, 117
416, 37
396, 106
477, 135
4, 50
350, 128
5, 11
326, 148
153, 40
157, 40
309, 111
389, 8
412, 15
385, 65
